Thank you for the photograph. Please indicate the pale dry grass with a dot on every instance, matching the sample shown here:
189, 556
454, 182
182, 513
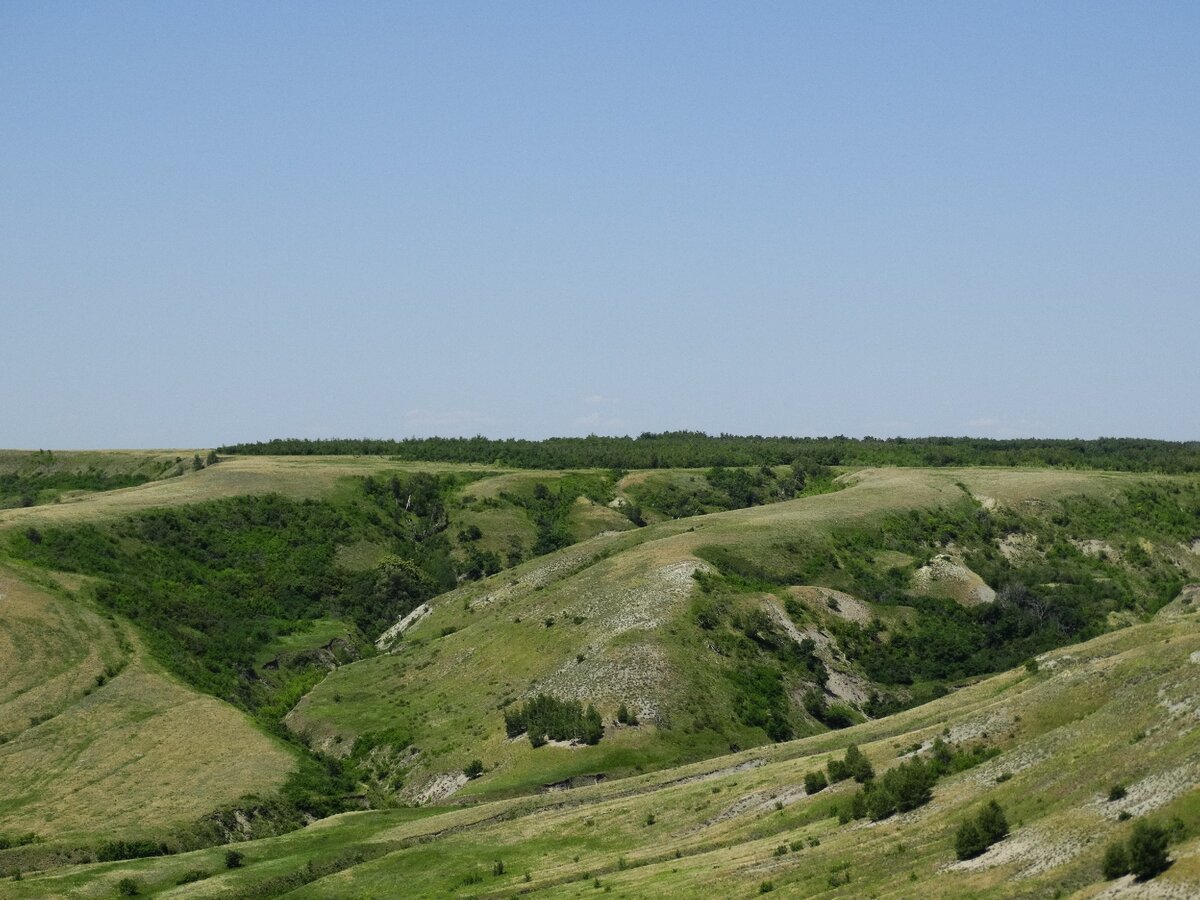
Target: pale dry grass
136, 754
298, 477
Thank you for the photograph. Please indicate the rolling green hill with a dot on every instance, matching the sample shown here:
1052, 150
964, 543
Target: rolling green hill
260, 642
1118, 711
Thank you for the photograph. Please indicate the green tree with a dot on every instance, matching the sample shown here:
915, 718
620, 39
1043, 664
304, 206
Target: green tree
969, 842
814, 782
858, 765
992, 822
1148, 850
1116, 860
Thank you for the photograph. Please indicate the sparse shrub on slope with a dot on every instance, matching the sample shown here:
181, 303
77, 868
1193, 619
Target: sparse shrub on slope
977, 834
1148, 850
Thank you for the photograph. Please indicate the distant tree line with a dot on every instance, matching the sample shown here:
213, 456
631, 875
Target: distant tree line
695, 449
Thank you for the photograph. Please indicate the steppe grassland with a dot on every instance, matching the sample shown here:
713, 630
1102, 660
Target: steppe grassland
595, 621
99, 738
1068, 733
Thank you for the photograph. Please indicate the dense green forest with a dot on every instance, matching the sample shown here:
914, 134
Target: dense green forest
695, 449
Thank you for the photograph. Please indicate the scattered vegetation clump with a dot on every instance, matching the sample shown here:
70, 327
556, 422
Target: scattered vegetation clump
128, 887
234, 859
137, 849
545, 717
814, 782
853, 765
908, 785
191, 876
1143, 855
976, 835
8, 841
473, 769
625, 717
40, 486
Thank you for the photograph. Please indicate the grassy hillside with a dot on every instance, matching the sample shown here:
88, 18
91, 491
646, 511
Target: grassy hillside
1117, 711
96, 739
29, 478
718, 662
213, 651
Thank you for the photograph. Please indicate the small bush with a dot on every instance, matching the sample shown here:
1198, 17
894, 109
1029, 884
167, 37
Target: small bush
1117, 792
650, 819
766, 887
858, 765
234, 859
191, 876
992, 822
473, 769
128, 887
114, 850
1148, 850
498, 867
1116, 861
814, 782
969, 841
977, 835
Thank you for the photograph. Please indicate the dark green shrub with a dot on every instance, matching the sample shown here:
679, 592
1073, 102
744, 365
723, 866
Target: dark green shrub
114, 850
128, 887
1116, 861
192, 875
992, 822
814, 782
858, 765
1148, 850
473, 769
977, 835
1117, 792
969, 841
545, 717
234, 859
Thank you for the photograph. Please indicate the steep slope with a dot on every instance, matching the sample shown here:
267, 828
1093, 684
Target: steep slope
1119, 710
716, 662
97, 739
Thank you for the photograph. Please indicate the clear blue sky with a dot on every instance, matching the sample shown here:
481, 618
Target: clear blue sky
236, 221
